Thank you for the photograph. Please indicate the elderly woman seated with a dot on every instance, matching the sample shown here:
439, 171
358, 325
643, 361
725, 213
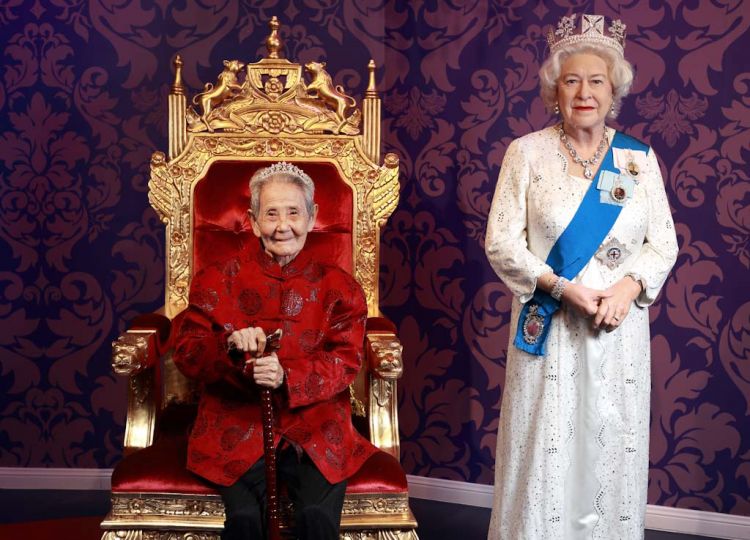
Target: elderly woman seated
321, 310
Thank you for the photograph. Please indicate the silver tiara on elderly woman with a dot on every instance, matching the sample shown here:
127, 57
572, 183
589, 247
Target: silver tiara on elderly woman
282, 167
591, 32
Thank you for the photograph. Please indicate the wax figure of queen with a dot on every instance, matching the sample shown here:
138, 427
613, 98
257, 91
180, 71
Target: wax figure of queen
581, 232
321, 310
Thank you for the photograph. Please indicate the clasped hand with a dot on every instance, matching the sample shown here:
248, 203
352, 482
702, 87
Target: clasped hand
608, 307
265, 369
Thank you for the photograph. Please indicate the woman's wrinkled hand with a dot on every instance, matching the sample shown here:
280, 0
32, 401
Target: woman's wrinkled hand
249, 340
584, 300
615, 306
266, 371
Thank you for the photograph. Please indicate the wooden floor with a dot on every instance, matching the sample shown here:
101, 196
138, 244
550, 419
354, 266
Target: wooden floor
437, 520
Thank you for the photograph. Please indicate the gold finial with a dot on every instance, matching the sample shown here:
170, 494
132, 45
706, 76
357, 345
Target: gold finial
371, 91
177, 86
273, 42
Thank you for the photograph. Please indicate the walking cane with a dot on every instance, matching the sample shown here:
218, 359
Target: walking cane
273, 342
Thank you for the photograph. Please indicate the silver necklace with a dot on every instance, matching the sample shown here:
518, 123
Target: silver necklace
587, 163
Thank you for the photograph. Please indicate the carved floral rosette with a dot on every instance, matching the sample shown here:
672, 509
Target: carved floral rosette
375, 504
172, 185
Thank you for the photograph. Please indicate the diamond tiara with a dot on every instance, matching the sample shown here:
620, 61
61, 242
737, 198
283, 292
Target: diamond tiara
282, 167
591, 32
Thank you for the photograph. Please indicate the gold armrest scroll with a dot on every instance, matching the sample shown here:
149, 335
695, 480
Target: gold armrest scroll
133, 356
130, 352
386, 366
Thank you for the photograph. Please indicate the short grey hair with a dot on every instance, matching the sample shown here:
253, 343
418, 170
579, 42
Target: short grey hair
620, 73
281, 172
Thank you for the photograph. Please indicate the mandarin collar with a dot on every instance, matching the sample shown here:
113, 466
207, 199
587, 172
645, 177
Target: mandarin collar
272, 268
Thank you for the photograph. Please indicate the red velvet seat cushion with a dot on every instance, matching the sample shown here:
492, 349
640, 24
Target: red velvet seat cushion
160, 468
382, 473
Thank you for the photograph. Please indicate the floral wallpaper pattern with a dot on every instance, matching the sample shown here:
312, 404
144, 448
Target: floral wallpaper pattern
83, 89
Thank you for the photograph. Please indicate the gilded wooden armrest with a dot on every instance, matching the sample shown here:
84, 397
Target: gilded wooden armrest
385, 366
130, 352
140, 346
136, 354
384, 354
383, 349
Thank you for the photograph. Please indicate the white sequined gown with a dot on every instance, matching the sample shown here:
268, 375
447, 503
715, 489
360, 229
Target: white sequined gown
572, 447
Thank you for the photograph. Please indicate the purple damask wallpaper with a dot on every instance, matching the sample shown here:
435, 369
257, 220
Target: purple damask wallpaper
83, 88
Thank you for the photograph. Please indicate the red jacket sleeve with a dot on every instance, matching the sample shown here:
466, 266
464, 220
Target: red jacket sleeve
201, 343
327, 371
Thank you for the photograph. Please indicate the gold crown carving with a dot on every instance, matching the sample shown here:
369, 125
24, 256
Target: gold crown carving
591, 32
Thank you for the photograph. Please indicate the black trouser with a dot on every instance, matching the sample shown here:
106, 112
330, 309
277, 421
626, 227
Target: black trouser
317, 503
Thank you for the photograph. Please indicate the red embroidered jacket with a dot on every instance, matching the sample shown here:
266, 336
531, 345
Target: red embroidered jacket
322, 312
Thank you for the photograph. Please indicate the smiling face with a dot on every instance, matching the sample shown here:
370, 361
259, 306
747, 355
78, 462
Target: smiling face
283, 222
584, 91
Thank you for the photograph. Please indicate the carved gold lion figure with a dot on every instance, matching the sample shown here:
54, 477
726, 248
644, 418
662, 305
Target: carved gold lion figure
225, 85
322, 85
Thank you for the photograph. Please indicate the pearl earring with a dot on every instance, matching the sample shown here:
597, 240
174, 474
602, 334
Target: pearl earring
557, 108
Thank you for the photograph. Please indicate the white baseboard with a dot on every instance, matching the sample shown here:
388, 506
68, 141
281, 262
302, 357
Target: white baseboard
661, 518
683, 520
450, 491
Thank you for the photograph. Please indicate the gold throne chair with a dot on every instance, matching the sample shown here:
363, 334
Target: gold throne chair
257, 114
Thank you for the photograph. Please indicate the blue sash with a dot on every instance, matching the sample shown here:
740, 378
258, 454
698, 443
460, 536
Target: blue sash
573, 250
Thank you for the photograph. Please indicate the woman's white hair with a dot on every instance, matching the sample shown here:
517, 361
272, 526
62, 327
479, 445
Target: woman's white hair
620, 73
281, 172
